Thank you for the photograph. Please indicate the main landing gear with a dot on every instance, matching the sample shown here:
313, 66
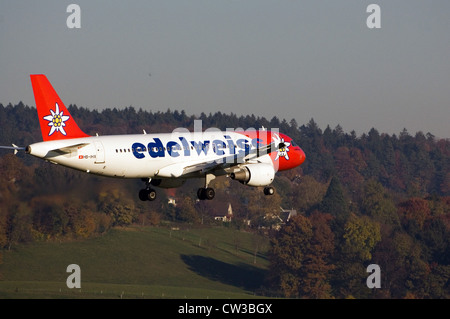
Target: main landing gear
206, 192
147, 193
209, 193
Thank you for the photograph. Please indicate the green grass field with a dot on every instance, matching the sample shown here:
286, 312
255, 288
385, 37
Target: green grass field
140, 262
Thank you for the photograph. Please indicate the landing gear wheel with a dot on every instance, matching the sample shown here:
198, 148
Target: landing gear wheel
209, 193
206, 193
151, 195
269, 190
147, 194
143, 195
201, 193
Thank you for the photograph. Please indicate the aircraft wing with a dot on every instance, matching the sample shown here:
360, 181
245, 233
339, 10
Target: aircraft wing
222, 163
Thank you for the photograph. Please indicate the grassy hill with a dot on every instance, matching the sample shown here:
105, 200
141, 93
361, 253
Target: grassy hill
140, 262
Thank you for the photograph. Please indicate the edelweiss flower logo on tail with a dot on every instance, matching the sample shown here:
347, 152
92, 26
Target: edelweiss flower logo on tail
56, 121
283, 147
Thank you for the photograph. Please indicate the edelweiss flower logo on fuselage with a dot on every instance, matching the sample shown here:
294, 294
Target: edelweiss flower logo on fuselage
56, 121
283, 147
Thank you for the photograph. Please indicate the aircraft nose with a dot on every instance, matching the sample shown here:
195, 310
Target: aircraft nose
302, 156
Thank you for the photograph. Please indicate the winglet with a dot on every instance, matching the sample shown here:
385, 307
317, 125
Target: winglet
54, 118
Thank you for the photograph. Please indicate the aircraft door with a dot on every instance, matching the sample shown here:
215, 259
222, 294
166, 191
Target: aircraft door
100, 152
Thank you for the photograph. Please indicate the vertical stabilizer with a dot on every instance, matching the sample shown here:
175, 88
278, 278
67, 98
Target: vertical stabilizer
54, 118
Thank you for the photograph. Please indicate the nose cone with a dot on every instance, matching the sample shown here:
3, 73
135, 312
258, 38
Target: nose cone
292, 159
301, 157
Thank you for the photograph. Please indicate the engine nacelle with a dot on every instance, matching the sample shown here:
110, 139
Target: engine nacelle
255, 174
167, 183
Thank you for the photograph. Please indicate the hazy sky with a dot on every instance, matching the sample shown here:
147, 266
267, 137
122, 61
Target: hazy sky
285, 58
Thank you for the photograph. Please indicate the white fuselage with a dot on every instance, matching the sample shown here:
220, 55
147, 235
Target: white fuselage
145, 155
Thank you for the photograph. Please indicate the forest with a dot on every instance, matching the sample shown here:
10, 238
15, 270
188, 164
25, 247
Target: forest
369, 199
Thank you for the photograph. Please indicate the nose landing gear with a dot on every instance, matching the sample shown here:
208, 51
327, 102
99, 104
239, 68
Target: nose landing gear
269, 190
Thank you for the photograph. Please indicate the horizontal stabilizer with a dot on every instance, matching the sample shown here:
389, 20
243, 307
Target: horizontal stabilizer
13, 147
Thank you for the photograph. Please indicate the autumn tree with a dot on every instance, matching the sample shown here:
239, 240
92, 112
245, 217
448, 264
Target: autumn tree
3, 230
413, 214
258, 243
437, 285
259, 205
300, 257
19, 224
436, 239
377, 204
113, 201
289, 248
82, 222
149, 217
349, 164
308, 193
360, 236
317, 266
185, 210
411, 273
50, 220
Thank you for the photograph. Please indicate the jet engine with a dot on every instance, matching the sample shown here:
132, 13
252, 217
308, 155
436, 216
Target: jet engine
255, 174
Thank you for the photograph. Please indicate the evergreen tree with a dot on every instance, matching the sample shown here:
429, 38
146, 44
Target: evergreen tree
335, 204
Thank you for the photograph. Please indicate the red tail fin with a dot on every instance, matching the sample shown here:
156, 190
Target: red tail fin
54, 118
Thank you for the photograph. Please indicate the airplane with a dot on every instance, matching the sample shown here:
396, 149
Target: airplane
162, 160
